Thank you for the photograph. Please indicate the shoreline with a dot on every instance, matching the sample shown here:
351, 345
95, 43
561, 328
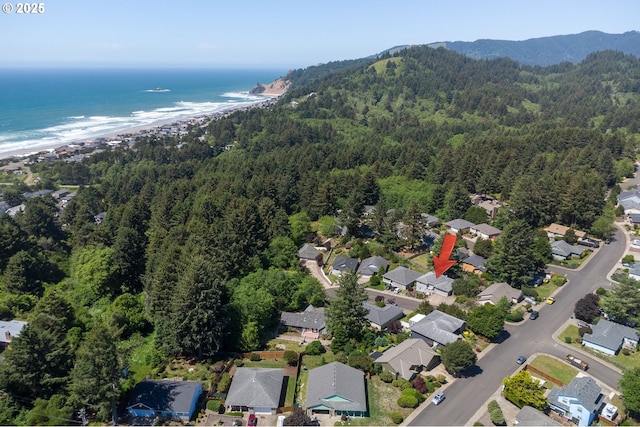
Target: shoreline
162, 127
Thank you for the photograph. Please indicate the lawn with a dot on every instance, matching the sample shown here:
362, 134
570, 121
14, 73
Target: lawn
422, 260
555, 368
310, 362
382, 401
264, 363
619, 360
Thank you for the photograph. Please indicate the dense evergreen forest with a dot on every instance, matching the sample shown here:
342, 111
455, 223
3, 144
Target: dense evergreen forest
196, 253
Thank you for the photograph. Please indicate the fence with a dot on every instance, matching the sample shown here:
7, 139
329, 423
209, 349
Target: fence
539, 373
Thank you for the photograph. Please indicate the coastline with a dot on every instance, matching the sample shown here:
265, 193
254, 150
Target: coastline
162, 127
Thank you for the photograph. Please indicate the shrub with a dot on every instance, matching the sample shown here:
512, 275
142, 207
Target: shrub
493, 405
396, 417
214, 405
380, 303
568, 340
514, 316
315, 348
255, 357
224, 383
413, 392
584, 330
478, 423
601, 291
497, 417
386, 376
405, 401
381, 342
379, 298
291, 357
430, 387
238, 362
626, 351
442, 379
578, 340
419, 384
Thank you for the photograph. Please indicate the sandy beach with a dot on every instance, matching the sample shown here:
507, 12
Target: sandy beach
270, 92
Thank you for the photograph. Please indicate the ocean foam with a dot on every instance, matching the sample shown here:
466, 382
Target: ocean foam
82, 128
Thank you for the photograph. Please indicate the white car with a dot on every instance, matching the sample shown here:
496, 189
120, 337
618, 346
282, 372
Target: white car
437, 398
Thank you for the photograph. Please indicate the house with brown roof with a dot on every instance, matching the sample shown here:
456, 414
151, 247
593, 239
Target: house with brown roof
409, 358
557, 230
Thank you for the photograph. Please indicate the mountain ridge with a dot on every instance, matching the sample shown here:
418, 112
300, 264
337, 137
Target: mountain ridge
544, 51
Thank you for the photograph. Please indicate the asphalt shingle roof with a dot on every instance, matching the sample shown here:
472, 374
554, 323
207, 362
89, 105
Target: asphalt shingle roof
583, 389
444, 283
373, 265
410, 353
336, 379
382, 315
402, 275
438, 326
310, 318
163, 395
256, 387
610, 335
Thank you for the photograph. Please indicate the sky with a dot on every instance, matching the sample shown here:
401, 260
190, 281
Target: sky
279, 34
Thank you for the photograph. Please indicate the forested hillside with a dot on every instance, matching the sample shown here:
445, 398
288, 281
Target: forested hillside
196, 254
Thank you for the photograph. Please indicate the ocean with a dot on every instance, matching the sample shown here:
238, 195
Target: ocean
46, 108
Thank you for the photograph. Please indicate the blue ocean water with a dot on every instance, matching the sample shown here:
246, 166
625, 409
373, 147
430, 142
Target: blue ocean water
45, 108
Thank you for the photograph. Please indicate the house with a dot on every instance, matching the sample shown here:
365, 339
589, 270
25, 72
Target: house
175, 400
14, 210
381, 317
437, 328
491, 207
373, 265
9, 330
311, 322
99, 218
309, 253
342, 264
578, 401
561, 250
256, 390
609, 337
497, 291
474, 264
59, 194
457, 225
429, 238
336, 389
400, 277
430, 220
531, 417
409, 358
4, 206
430, 284
633, 218
558, 231
485, 231
634, 272
630, 201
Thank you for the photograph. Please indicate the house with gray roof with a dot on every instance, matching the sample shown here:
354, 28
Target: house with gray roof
495, 292
437, 328
342, 264
381, 317
578, 401
455, 226
408, 358
474, 264
308, 252
373, 265
630, 200
429, 220
609, 337
400, 277
174, 400
256, 390
430, 284
311, 322
9, 329
531, 417
336, 389
562, 250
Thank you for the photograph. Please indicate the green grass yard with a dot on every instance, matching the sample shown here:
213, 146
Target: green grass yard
556, 368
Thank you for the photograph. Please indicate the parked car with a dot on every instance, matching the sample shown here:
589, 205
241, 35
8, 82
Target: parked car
551, 300
520, 360
253, 420
534, 315
437, 398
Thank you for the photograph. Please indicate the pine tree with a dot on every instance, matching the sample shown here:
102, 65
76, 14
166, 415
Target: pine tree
346, 312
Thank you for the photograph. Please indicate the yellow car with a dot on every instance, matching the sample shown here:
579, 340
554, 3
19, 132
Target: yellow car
551, 300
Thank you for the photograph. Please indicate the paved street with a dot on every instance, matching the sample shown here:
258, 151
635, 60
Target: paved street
466, 395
